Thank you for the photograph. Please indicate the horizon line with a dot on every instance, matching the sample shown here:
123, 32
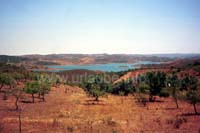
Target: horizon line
178, 53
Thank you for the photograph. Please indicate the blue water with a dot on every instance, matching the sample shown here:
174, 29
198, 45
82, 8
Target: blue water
115, 67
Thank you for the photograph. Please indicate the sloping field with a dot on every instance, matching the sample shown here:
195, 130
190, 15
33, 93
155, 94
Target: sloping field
74, 111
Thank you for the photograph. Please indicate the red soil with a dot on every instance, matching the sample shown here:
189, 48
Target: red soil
75, 112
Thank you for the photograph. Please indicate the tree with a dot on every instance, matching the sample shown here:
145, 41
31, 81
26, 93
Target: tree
96, 91
32, 88
6, 79
95, 87
189, 82
1, 81
17, 76
17, 93
142, 90
44, 88
192, 94
193, 97
124, 87
174, 84
156, 81
44, 82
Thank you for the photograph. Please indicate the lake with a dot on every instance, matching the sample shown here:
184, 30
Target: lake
115, 67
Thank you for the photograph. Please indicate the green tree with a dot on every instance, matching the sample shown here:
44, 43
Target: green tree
142, 91
155, 81
174, 85
17, 93
18, 77
6, 79
95, 91
193, 97
32, 88
95, 87
192, 92
44, 88
124, 87
45, 83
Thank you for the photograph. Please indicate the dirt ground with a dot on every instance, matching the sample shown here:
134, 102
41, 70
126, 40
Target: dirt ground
75, 112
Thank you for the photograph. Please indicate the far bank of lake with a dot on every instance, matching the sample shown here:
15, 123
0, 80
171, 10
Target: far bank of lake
115, 67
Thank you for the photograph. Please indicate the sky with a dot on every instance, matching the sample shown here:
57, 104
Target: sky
99, 26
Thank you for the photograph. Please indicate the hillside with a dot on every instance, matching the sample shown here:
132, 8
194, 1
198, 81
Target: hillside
67, 59
75, 112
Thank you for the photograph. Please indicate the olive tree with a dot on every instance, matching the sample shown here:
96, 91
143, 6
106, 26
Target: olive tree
6, 80
174, 85
95, 91
17, 93
95, 87
45, 82
124, 87
193, 97
32, 88
155, 81
44, 88
193, 92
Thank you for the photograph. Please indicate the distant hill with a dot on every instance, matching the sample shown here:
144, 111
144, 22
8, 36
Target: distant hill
82, 59
11, 59
181, 56
68, 59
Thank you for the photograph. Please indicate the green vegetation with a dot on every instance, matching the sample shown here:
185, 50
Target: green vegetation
145, 87
193, 97
153, 82
17, 93
96, 91
42, 85
32, 88
192, 94
124, 87
96, 87
6, 79
174, 85
11, 59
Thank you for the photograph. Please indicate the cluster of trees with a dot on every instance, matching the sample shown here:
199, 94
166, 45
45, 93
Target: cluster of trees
146, 87
161, 84
41, 86
97, 86
149, 85
35, 83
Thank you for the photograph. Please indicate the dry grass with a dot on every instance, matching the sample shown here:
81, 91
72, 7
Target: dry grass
75, 112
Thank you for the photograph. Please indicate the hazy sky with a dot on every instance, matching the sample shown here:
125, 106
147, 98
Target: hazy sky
99, 26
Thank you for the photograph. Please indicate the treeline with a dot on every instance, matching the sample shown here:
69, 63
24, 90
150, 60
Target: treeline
148, 86
11, 59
